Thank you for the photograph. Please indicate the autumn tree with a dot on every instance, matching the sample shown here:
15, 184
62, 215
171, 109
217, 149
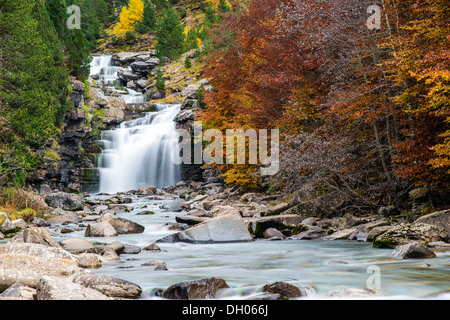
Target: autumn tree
129, 16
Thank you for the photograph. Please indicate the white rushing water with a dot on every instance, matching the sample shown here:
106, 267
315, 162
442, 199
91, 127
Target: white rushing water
139, 152
107, 77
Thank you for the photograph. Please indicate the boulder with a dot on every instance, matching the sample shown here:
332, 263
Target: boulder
312, 233
117, 246
257, 226
75, 244
37, 235
271, 233
125, 226
25, 263
340, 235
105, 253
69, 217
131, 249
5, 223
439, 219
19, 291
53, 288
127, 75
226, 228
157, 265
144, 67
190, 219
283, 289
100, 229
109, 286
406, 232
153, 247
196, 289
89, 261
412, 250
65, 201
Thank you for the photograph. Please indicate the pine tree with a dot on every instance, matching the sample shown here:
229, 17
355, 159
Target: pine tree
160, 83
223, 6
32, 73
76, 47
187, 63
169, 35
148, 22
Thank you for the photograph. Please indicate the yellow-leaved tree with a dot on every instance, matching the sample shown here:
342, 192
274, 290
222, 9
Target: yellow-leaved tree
129, 16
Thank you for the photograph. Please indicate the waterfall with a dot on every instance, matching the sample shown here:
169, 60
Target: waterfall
101, 67
139, 153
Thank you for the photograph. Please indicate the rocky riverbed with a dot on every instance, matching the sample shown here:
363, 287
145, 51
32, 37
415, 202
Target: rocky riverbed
79, 249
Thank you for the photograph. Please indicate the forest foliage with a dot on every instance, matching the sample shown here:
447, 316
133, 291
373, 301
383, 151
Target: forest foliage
362, 112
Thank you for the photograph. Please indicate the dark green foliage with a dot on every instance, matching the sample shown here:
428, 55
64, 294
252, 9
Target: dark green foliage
160, 83
33, 86
223, 6
149, 22
211, 18
76, 47
169, 35
187, 63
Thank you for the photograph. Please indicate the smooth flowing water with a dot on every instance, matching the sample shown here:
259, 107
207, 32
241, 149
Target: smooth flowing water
139, 153
102, 67
247, 267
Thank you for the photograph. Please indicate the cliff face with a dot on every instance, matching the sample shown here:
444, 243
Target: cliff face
71, 157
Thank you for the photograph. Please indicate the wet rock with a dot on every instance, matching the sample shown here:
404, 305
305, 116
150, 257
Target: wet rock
412, 250
257, 226
65, 201
53, 288
226, 228
109, 286
196, 289
157, 265
388, 211
106, 253
283, 289
131, 249
266, 296
153, 247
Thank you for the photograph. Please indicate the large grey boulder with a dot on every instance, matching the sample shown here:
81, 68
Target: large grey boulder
26, 263
37, 235
127, 75
440, 219
100, 229
412, 250
64, 200
75, 244
109, 286
125, 226
54, 288
406, 232
19, 291
226, 228
196, 289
